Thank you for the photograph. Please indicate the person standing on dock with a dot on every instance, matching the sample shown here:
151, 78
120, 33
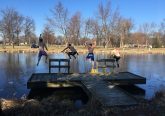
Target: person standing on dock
116, 55
72, 51
90, 46
42, 47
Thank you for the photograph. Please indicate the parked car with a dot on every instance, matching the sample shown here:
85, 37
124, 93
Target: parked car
34, 46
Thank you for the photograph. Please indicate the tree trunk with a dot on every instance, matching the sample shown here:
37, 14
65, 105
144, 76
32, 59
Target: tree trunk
121, 40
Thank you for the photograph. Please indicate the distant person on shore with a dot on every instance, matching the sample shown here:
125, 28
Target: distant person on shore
116, 55
72, 51
42, 47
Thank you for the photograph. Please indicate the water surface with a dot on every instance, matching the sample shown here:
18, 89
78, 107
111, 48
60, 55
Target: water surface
16, 69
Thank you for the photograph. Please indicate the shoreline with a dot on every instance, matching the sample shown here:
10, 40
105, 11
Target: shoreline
81, 49
51, 105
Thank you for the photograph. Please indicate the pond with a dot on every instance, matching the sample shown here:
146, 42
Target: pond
16, 69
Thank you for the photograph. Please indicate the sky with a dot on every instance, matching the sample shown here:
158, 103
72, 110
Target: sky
140, 11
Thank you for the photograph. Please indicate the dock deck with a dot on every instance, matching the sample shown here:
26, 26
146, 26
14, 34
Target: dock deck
102, 87
121, 78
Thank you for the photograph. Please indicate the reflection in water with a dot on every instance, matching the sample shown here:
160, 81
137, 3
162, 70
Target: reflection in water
74, 94
16, 69
149, 66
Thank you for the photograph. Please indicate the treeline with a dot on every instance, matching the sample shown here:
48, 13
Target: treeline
15, 27
108, 27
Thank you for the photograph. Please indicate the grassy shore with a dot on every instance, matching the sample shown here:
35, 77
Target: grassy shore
52, 106
82, 49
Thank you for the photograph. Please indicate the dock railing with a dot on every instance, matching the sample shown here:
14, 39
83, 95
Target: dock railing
62, 63
105, 63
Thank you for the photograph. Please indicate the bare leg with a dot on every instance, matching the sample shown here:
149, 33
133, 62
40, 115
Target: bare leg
74, 56
69, 55
117, 63
39, 58
46, 59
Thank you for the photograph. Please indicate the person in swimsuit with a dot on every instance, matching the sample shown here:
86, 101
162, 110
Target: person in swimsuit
42, 47
90, 48
72, 52
116, 55
90, 56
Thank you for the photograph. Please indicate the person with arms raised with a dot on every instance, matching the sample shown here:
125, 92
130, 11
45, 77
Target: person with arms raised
42, 47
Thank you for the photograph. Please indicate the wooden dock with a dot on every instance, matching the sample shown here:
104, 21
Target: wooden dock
102, 87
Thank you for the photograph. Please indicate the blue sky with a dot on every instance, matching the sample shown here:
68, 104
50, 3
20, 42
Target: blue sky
140, 11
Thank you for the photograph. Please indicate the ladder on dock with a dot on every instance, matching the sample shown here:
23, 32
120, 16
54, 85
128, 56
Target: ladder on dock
108, 95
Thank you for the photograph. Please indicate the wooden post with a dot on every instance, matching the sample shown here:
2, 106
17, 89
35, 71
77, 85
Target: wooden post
69, 66
49, 65
59, 66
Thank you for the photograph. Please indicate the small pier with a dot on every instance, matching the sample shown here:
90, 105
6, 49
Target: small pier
102, 87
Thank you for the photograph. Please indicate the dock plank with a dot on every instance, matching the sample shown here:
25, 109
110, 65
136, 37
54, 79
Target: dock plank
108, 96
126, 78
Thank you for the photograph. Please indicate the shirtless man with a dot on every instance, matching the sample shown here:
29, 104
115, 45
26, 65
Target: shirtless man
116, 55
90, 48
42, 45
72, 52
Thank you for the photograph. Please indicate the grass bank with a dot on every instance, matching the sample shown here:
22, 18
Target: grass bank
52, 106
82, 49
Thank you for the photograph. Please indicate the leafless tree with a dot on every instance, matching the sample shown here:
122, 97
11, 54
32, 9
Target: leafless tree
158, 36
138, 38
29, 28
60, 40
104, 20
7, 24
74, 28
125, 26
60, 19
162, 27
11, 24
113, 27
95, 30
2, 32
48, 35
162, 31
92, 30
18, 25
87, 28
149, 30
